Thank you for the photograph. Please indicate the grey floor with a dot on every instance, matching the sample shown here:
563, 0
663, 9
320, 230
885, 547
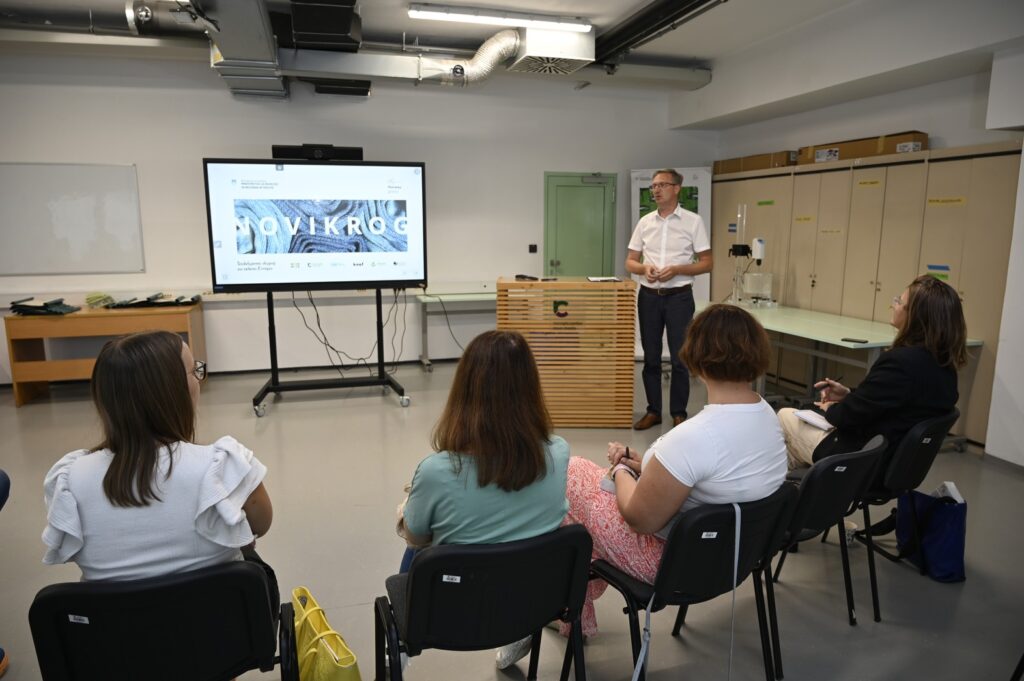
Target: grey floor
338, 460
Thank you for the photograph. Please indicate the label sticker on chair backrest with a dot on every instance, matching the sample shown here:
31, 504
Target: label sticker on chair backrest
709, 535
78, 619
839, 469
926, 440
454, 579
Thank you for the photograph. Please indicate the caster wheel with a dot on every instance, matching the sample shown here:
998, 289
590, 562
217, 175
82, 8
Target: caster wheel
404, 400
259, 410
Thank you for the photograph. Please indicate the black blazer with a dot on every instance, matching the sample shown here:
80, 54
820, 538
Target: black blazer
904, 387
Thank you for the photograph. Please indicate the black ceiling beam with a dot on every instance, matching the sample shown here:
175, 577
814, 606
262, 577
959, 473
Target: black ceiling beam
658, 17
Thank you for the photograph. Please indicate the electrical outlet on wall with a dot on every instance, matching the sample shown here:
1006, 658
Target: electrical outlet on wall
533, 248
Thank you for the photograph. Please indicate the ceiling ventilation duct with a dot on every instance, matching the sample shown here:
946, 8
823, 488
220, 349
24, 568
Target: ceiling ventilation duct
109, 17
555, 52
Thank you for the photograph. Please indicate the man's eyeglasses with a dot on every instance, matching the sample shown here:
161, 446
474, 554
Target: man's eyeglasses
663, 185
199, 370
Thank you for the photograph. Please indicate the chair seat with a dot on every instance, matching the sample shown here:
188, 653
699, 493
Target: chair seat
639, 590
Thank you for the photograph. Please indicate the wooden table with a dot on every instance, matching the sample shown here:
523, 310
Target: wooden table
581, 334
31, 371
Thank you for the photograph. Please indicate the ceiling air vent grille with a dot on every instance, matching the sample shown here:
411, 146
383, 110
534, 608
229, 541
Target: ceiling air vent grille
554, 52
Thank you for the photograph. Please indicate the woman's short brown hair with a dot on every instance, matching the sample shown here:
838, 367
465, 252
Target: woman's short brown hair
725, 343
935, 321
140, 389
496, 413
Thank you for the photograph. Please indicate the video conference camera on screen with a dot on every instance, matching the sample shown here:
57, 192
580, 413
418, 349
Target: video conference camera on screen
300, 225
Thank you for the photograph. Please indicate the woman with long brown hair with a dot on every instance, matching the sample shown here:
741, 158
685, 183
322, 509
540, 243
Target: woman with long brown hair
148, 500
914, 380
499, 473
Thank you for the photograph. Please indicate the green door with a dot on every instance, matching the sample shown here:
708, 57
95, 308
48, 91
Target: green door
579, 224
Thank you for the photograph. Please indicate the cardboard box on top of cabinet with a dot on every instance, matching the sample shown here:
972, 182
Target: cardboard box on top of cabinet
898, 143
755, 162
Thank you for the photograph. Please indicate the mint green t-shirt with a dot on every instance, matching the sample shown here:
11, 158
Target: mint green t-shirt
454, 509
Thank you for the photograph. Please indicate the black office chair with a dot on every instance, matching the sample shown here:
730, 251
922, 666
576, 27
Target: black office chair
697, 563
5, 487
905, 470
476, 597
828, 491
211, 624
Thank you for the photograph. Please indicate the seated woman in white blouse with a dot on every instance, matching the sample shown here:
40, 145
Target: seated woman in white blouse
148, 501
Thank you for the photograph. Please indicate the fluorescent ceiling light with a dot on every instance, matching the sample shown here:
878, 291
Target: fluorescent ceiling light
491, 17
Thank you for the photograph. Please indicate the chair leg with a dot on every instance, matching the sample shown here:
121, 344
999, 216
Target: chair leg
634, 638
773, 621
387, 638
380, 648
577, 651
845, 553
1019, 671
762, 625
824, 535
567, 660
917, 535
680, 619
870, 543
782, 559
531, 675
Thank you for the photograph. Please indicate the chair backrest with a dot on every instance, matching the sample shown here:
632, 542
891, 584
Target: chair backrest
473, 597
206, 625
697, 563
5, 487
913, 457
833, 484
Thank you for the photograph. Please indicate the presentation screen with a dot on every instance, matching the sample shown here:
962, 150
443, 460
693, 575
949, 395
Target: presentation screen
279, 225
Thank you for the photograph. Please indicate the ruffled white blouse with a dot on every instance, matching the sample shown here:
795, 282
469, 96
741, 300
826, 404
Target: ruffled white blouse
197, 522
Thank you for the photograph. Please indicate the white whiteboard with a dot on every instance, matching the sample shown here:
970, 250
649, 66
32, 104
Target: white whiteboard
58, 218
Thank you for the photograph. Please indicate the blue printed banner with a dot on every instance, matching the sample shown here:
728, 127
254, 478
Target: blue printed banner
313, 226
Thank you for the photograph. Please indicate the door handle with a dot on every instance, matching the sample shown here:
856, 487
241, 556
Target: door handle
555, 263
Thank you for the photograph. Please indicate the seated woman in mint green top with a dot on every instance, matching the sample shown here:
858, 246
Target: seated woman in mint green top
499, 474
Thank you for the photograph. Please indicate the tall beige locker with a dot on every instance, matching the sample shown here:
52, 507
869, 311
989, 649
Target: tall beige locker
723, 216
867, 200
830, 242
979, 219
799, 282
769, 201
945, 219
900, 245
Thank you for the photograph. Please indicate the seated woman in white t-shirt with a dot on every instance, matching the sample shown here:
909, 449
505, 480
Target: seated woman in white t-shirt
733, 450
148, 501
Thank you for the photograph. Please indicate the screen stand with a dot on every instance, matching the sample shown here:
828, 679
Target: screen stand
276, 386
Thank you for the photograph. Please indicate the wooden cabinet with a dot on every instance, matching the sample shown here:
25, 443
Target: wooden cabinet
830, 242
900, 244
799, 280
723, 221
968, 224
867, 200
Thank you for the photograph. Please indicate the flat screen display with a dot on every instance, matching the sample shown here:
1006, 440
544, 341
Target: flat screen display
280, 225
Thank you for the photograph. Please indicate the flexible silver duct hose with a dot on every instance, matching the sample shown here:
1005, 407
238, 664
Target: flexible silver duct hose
495, 51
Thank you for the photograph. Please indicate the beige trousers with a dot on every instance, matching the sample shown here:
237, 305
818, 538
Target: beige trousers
801, 438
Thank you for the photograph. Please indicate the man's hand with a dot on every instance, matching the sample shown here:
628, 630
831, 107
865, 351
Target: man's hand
652, 273
667, 273
824, 405
831, 391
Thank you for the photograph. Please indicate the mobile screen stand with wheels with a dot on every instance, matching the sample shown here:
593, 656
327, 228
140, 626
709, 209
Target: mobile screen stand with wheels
276, 386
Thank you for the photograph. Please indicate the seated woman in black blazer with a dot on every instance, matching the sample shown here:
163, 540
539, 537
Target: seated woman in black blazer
912, 381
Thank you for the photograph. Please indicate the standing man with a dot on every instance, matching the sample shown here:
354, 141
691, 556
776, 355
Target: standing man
669, 247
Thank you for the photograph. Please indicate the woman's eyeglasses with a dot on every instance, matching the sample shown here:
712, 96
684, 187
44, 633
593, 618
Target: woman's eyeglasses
199, 370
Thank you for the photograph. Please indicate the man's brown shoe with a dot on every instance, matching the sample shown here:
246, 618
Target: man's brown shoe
649, 420
676, 420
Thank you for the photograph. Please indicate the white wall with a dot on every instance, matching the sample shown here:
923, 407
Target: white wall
952, 112
486, 150
1005, 438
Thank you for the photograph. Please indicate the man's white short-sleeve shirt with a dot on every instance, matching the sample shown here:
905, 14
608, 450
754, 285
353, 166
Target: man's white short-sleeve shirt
670, 241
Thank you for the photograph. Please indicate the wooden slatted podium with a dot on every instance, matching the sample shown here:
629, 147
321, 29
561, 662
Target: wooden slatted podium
581, 333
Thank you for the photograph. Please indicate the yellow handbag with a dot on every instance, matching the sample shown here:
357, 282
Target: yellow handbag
323, 653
